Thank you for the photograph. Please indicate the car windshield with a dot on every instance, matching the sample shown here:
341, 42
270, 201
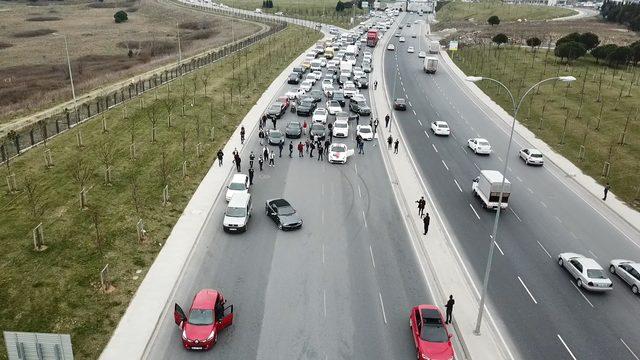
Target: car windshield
536, 155
483, 143
275, 134
294, 124
237, 186
334, 103
339, 149
286, 210
340, 125
201, 317
444, 126
321, 112
433, 330
306, 102
275, 107
365, 130
400, 101
595, 274
236, 212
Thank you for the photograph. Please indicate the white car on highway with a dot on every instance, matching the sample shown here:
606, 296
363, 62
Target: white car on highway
402, 39
239, 184
422, 54
349, 89
306, 85
531, 157
365, 132
410, 49
479, 146
295, 94
338, 153
333, 106
391, 47
325, 83
320, 115
628, 271
440, 128
586, 271
340, 128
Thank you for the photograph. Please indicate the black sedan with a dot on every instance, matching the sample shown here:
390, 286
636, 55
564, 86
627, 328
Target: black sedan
293, 129
306, 107
318, 129
284, 215
276, 110
362, 83
275, 137
317, 95
339, 97
400, 104
294, 78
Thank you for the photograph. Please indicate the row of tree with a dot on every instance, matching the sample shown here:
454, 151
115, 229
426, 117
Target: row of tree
267, 4
625, 13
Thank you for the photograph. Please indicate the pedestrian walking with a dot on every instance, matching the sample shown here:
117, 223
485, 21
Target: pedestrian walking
273, 121
313, 146
300, 149
449, 311
252, 157
387, 118
220, 155
327, 143
272, 159
330, 127
260, 162
235, 152
264, 121
261, 137
606, 191
389, 142
426, 220
320, 152
304, 128
396, 144
421, 204
375, 126
237, 161
361, 147
375, 85
306, 144
290, 148
265, 152
242, 135
281, 146
293, 106
250, 176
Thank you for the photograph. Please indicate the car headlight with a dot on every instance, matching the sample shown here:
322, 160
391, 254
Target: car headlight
210, 337
184, 335
424, 357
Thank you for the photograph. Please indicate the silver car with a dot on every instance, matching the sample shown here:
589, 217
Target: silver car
586, 271
628, 271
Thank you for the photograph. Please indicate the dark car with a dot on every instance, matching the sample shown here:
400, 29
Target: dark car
339, 97
316, 95
354, 117
300, 70
276, 110
317, 129
275, 137
359, 107
306, 107
294, 78
293, 129
400, 104
362, 83
284, 215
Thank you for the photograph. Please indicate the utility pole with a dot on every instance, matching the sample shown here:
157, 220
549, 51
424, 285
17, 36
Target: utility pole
179, 48
73, 89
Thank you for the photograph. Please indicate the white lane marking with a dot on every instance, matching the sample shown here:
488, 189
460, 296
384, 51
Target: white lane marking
323, 253
581, 294
474, 211
445, 165
528, 292
372, 260
476, 165
514, 213
324, 302
384, 315
322, 189
410, 103
359, 192
355, 166
458, 185
542, 203
425, 132
545, 250
420, 122
498, 246
518, 177
594, 255
628, 348
364, 217
414, 112
529, 189
566, 347
434, 147
558, 219
453, 136
499, 158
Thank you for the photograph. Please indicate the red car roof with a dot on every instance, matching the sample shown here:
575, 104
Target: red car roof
205, 299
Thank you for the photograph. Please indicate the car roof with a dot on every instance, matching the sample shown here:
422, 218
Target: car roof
278, 202
589, 263
239, 178
338, 144
534, 151
205, 299
439, 122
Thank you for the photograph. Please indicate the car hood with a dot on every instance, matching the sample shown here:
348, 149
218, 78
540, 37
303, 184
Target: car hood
198, 332
230, 193
289, 219
293, 130
232, 220
437, 351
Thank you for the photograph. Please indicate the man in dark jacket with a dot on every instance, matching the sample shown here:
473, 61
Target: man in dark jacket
449, 307
280, 146
426, 221
421, 204
220, 155
290, 148
237, 161
250, 176
252, 157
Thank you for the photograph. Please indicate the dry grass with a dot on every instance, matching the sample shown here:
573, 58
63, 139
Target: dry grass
32, 70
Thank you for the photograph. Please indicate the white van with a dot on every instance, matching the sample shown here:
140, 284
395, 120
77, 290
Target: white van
258, 11
239, 185
316, 64
236, 217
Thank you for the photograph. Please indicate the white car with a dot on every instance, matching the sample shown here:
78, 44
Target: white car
410, 49
338, 153
306, 85
325, 83
312, 78
531, 157
440, 128
422, 54
628, 271
317, 74
391, 47
358, 74
279, 13
359, 97
349, 89
365, 132
320, 115
401, 39
239, 184
479, 146
329, 90
586, 271
295, 94
333, 106
341, 128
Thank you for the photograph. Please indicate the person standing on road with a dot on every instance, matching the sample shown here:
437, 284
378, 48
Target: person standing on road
396, 144
327, 143
361, 147
606, 191
293, 105
220, 155
242, 135
290, 148
300, 149
235, 152
273, 121
389, 142
421, 204
449, 307
261, 137
387, 119
237, 161
426, 220
320, 152
304, 128
375, 126
281, 146
330, 127
252, 157
272, 159
264, 121
375, 85
250, 176
260, 162
312, 146
306, 144
265, 153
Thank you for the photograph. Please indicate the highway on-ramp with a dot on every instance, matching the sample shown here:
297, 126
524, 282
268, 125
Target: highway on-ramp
537, 301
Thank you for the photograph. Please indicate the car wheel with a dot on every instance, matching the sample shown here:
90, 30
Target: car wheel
280, 226
612, 269
634, 289
579, 283
560, 262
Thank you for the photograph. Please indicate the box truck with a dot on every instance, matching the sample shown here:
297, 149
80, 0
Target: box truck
430, 65
434, 47
487, 188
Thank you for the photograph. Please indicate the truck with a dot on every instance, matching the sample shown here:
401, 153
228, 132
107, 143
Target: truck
372, 38
430, 64
487, 187
434, 47
346, 66
329, 53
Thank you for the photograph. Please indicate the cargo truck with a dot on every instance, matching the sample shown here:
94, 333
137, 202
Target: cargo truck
430, 65
487, 188
372, 38
434, 47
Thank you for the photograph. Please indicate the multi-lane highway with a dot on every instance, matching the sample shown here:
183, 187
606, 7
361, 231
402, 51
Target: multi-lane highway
339, 288
545, 314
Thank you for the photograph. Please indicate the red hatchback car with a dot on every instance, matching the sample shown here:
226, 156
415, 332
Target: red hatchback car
430, 335
208, 316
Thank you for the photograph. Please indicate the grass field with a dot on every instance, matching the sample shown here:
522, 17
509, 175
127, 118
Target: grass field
58, 290
33, 69
594, 112
479, 12
314, 10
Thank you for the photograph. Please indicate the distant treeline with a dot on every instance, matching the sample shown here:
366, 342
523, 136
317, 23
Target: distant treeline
627, 14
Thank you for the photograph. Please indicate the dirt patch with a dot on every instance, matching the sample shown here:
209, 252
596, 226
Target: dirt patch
4, 45
44, 18
196, 25
150, 48
33, 33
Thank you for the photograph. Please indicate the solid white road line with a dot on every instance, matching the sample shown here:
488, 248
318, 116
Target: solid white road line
445, 165
628, 348
434, 147
545, 250
581, 294
566, 347
364, 217
498, 246
324, 302
542, 203
359, 192
514, 213
372, 260
528, 292
474, 211
458, 185
323, 253
384, 315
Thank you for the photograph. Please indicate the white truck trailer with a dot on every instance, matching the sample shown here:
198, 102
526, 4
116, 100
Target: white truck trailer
434, 47
487, 188
430, 64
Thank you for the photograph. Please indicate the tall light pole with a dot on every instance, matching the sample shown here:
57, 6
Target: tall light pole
73, 89
179, 48
494, 234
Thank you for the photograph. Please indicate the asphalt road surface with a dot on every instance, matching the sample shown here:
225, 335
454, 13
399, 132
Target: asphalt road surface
545, 314
339, 288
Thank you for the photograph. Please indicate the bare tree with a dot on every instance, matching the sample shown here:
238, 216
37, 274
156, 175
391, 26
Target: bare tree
34, 197
80, 171
95, 216
107, 152
169, 105
205, 80
164, 170
152, 114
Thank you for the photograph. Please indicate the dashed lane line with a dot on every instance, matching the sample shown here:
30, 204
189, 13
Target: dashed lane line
566, 347
474, 211
527, 289
414, 112
514, 213
543, 249
498, 246
631, 351
581, 294
373, 262
359, 191
594, 255
420, 122
434, 147
458, 185
445, 165
543, 204
364, 217
384, 315
427, 134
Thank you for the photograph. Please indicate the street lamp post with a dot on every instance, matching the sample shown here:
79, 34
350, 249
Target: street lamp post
516, 108
73, 89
